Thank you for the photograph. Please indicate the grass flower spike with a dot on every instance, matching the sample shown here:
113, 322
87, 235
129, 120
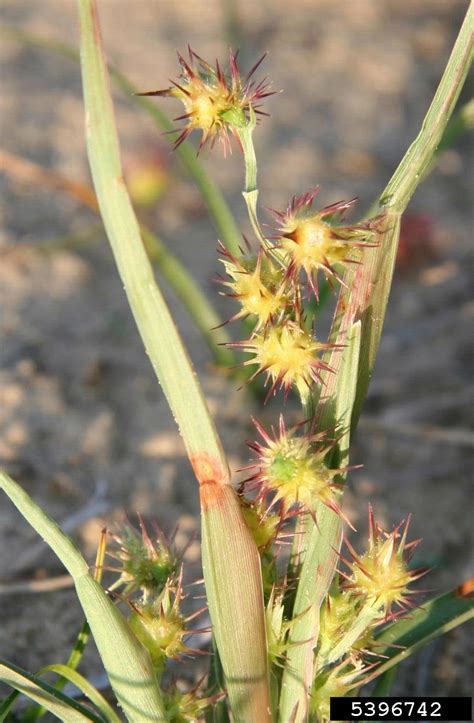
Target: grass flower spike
258, 285
314, 243
215, 102
337, 683
288, 354
144, 564
381, 575
293, 468
160, 626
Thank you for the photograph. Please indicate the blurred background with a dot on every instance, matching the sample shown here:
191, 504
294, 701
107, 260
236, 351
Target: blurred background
83, 424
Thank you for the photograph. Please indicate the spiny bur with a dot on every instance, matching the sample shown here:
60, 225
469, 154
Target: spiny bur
381, 575
215, 101
314, 242
292, 467
144, 564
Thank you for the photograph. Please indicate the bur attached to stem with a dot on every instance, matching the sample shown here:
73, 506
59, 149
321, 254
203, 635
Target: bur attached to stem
145, 564
292, 467
259, 287
381, 575
288, 355
216, 102
315, 241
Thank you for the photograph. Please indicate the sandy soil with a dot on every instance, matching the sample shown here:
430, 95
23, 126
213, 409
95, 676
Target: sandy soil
84, 426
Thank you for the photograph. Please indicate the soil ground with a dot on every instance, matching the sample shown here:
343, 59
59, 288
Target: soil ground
84, 425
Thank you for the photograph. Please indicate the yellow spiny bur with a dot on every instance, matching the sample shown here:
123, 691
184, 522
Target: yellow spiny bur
337, 615
294, 468
259, 288
214, 102
314, 243
160, 627
264, 526
277, 628
182, 707
381, 575
144, 564
262, 523
336, 683
287, 353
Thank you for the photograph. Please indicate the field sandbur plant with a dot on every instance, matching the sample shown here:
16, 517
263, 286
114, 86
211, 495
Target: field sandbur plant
299, 613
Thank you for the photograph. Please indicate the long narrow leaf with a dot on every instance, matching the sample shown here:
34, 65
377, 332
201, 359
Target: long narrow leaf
77, 652
323, 540
432, 619
126, 661
86, 688
65, 708
364, 294
160, 336
7, 704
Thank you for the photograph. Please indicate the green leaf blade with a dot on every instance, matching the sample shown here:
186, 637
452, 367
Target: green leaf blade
126, 661
232, 574
65, 708
432, 619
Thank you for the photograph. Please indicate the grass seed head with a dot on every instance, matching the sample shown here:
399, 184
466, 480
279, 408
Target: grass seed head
381, 575
293, 468
314, 242
336, 683
186, 707
160, 627
288, 354
145, 564
259, 287
338, 614
215, 102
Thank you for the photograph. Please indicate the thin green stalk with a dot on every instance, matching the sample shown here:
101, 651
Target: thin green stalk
219, 210
231, 561
250, 193
364, 297
317, 557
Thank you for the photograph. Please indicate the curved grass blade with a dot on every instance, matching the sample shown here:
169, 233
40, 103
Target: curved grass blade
434, 618
65, 708
364, 295
231, 560
126, 661
90, 692
77, 652
7, 703
160, 336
